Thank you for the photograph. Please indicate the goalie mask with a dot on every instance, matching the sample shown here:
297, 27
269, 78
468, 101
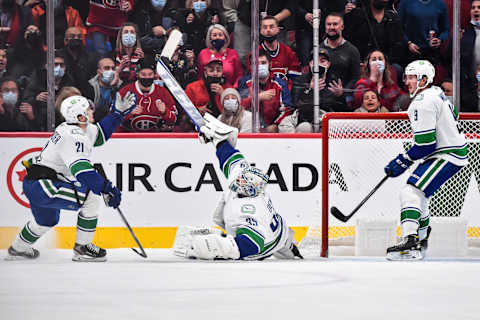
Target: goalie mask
73, 107
251, 182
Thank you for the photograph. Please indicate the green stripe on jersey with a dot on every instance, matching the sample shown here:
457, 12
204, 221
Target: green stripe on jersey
81, 166
410, 214
424, 222
425, 138
100, 137
234, 157
255, 237
461, 152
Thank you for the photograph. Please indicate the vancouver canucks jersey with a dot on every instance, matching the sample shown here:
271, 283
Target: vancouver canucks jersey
69, 149
434, 123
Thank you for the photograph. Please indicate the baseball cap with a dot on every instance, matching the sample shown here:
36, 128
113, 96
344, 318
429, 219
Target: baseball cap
321, 52
215, 59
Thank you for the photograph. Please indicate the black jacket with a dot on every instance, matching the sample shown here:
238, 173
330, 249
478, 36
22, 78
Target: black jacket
368, 35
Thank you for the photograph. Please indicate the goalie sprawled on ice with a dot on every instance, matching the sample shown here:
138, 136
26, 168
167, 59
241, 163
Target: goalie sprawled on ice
254, 229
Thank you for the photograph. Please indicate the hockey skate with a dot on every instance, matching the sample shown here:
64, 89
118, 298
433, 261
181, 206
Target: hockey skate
89, 252
29, 254
408, 249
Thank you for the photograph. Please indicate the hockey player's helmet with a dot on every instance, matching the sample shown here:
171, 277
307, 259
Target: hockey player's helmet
251, 182
73, 107
420, 68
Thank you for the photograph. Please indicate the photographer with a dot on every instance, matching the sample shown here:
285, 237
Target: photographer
302, 91
205, 93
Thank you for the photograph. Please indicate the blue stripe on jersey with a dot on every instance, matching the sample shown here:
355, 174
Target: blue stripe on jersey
418, 152
441, 177
246, 246
109, 123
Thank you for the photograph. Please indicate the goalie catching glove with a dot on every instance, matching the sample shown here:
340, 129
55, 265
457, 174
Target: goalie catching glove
123, 106
398, 166
216, 131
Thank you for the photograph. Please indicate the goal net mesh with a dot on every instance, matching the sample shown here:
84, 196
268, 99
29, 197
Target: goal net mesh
358, 150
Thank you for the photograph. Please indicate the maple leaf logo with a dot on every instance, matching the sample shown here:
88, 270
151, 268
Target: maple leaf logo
21, 175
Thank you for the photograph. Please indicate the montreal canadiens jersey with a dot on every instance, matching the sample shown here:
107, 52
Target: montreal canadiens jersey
434, 121
69, 149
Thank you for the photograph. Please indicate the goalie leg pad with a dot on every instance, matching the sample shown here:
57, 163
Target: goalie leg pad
212, 247
216, 131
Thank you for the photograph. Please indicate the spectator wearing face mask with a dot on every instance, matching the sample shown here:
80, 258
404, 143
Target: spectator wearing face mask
285, 64
205, 93
233, 113
14, 19
150, 13
274, 95
155, 109
65, 17
103, 87
378, 78
129, 52
14, 116
195, 20
28, 51
36, 91
447, 88
78, 61
104, 21
217, 42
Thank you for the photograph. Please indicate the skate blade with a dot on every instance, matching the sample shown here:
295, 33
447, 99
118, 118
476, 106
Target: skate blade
17, 258
410, 255
78, 258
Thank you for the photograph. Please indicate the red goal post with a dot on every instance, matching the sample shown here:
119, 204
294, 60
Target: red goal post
383, 134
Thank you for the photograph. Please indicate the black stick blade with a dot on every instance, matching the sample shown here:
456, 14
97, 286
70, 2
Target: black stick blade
338, 214
141, 254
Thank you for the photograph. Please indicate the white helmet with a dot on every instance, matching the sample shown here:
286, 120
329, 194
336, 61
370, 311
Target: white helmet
73, 107
250, 182
420, 68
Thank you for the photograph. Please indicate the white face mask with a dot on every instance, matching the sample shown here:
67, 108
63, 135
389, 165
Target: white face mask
58, 72
129, 39
475, 23
263, 71
230, 105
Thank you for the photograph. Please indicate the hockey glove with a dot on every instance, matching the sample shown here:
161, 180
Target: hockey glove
123, 106
111, 195
397, 166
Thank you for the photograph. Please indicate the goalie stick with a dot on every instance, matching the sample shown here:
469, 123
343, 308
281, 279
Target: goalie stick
340, 216
172, 83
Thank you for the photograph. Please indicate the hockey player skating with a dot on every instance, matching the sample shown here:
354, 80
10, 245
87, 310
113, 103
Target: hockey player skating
439, 143
254, 229
62, 177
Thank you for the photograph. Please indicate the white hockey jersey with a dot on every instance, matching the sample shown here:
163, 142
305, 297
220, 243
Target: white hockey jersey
434, 120
69, 149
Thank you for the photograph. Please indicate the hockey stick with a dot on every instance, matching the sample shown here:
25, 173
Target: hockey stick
340, 216
142, 254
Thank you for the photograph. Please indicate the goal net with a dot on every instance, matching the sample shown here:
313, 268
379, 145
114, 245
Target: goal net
356, 148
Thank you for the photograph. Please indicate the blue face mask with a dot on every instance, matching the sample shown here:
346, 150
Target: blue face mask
475, 23
10, 98
381, 65
478, 76
159, 4
129, 39
199, 6
218, 44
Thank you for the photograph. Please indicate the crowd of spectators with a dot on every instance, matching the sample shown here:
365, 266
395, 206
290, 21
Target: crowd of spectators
105, 47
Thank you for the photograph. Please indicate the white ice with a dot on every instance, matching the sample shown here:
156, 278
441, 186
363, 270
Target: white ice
167, 287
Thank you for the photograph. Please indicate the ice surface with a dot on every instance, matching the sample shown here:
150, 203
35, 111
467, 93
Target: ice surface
167, 287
